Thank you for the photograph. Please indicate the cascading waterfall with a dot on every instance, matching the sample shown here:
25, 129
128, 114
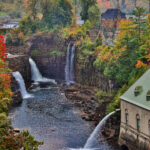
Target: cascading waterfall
36, 75
21, 83
69, 68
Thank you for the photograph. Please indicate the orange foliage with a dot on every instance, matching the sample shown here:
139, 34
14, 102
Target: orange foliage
21, 35
140, 64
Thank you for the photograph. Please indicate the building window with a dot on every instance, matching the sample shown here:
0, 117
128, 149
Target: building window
138, 122
149, 126
126, 116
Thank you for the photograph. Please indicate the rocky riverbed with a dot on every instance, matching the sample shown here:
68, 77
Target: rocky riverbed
83, 97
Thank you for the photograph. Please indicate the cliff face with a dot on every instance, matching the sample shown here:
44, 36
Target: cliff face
87, 74
48, 51
19, 63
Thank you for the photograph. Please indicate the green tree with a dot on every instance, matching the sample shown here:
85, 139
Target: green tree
139, 20
57, 13
85, 5
46, 6
94, 14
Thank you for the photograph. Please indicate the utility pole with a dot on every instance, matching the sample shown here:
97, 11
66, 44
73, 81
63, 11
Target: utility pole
117, 3
149, 6
135, 2
75, 2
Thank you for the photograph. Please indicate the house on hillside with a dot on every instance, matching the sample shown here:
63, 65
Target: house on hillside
110, 22
135, 115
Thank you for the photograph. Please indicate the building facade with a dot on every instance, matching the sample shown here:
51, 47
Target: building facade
135, 116
110, 23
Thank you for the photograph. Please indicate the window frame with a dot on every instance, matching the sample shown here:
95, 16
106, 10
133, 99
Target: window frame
126, 117
138, 122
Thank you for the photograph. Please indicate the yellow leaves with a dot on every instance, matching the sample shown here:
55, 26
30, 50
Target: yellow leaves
148, 18
125, 24
126, 28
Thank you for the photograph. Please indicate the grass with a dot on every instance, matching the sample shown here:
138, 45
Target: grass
58, 53
2, 13
35, 52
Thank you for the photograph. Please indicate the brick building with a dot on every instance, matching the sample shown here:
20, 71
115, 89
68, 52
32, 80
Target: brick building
110, 22
135, 115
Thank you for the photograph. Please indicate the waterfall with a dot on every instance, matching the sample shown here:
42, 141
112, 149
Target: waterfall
92, 137
69, 68
36, 75
8, 54
21, 83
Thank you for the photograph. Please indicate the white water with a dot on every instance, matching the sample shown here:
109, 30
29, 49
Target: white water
92, 140
69, 68
36, 75
8, 54
93, 136
21, 83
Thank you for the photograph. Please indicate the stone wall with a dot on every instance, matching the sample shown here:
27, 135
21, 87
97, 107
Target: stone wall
129, 135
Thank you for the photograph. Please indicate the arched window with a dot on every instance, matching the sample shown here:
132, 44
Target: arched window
126, 116
149, 126
138, 122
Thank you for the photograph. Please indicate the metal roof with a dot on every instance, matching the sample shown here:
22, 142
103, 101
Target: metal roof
112, 14
139, 100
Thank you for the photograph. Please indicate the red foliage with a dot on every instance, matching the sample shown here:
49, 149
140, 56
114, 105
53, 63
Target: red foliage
2, 48
13, 141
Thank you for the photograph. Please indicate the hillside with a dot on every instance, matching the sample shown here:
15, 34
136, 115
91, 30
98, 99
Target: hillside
126, 5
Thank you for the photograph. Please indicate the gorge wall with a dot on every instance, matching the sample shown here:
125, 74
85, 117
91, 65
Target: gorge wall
87, 74
48, 51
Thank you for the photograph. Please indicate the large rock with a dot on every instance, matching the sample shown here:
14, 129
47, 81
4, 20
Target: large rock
19, 63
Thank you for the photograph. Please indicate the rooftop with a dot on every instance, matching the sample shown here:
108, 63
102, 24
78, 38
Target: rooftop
139, 99
112, 14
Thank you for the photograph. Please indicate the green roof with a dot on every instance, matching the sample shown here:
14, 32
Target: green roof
141, 98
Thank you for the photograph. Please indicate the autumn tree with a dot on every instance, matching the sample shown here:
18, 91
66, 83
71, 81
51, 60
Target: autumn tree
31, 7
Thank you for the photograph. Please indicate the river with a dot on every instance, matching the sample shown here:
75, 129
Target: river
51, 119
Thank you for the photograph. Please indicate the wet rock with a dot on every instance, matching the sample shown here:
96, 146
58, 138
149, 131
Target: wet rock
16, 98
17, 130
